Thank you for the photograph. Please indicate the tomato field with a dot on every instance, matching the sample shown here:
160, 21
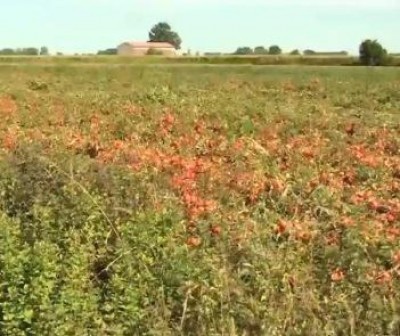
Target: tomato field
199, 200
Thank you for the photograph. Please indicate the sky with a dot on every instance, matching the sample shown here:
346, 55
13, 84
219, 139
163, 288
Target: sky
85, 26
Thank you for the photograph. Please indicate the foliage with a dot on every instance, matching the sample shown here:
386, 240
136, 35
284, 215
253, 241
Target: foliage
274, 50
211, 54
20, 52
44, 51
110, 51
331, 53
199, 200
7, 51
338, 60
309, 52
162, 32
372, 53
260, 50
244, 51
295, 52
252, 59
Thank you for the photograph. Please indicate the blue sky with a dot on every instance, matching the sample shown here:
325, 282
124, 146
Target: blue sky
204, 25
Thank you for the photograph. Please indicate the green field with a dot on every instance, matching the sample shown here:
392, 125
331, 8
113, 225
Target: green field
199, 200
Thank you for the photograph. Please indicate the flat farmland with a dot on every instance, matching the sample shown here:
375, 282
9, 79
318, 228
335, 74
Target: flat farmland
199, 200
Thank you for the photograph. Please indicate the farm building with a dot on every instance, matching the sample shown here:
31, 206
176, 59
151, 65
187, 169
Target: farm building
142, 48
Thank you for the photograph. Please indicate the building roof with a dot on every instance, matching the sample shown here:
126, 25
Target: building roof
135, 44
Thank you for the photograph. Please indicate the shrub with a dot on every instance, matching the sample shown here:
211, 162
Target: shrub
372, 53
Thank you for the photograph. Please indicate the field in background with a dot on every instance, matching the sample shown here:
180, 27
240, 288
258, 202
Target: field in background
245, 60
199, 200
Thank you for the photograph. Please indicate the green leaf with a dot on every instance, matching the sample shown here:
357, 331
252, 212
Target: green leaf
28, 315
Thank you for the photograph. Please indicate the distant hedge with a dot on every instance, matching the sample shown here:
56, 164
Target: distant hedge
279, 60
243, 60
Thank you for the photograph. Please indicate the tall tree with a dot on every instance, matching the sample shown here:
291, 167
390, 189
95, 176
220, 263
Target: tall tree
372, 53
162, 32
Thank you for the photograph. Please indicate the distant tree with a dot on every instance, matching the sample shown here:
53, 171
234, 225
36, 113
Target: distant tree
59, 53
260, 50
274, 50
372, 53
295, 52
7, 51
30, 51
244, 51
309, 52
108, 52
162, 32
44, 51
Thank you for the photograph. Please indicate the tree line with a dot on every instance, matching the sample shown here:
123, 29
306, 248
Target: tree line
31, 51
371, 52
260, 50
276, 50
